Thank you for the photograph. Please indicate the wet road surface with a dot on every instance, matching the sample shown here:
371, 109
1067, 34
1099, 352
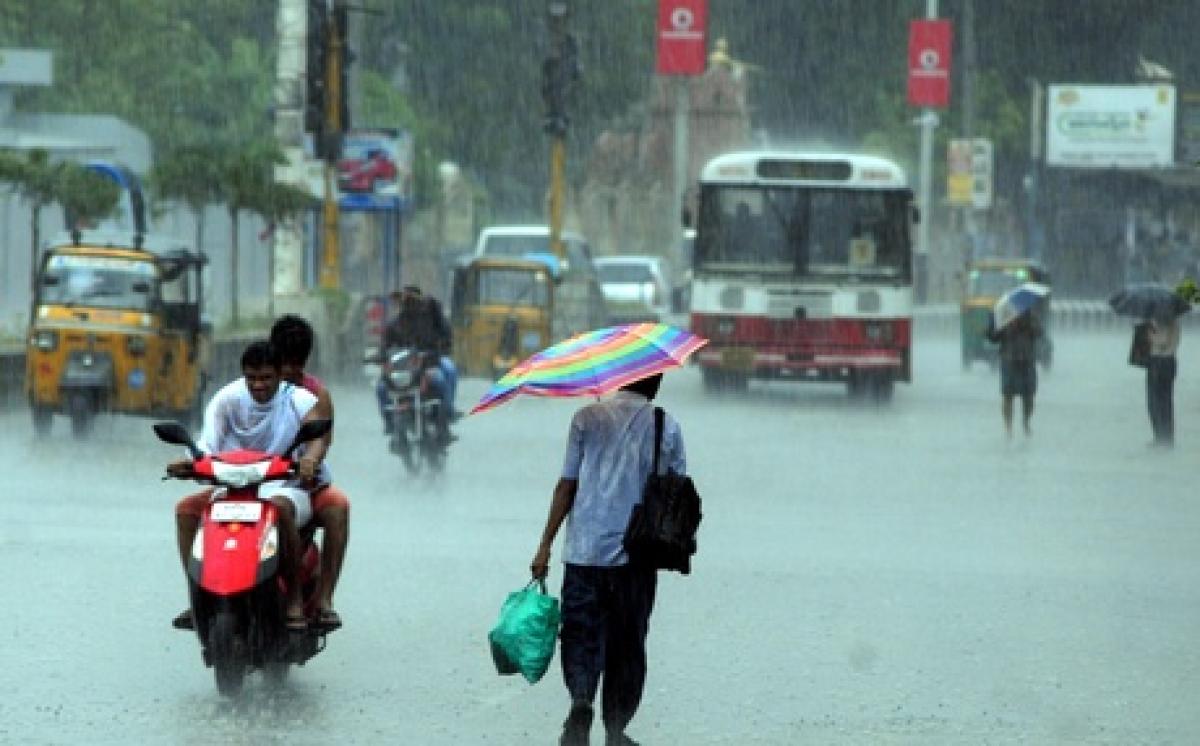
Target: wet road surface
895, 575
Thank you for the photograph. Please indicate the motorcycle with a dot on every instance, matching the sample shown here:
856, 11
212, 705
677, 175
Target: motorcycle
238, 595
411, 382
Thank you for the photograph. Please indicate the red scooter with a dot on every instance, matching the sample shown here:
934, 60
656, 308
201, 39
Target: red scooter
238, 595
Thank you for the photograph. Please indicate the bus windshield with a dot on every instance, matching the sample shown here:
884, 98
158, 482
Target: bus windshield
805, 232
97, 282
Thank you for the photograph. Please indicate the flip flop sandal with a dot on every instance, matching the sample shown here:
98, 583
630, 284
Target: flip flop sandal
328, 620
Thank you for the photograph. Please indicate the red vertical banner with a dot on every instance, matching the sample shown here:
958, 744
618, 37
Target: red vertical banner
929, 63
682, 28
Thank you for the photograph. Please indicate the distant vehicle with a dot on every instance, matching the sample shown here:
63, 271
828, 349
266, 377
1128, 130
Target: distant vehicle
117, 326
803, 270
578, 300
986, 281
636, 288
368, 174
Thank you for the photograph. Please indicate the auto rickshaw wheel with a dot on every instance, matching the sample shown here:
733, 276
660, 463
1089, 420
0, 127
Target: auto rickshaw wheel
43, 418
81, 409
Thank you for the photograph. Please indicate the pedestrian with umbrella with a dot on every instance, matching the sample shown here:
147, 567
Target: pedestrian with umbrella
1156, 341
1016, 329
611, 446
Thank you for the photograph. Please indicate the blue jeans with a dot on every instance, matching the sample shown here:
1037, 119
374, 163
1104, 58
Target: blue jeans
450, 375
605, 619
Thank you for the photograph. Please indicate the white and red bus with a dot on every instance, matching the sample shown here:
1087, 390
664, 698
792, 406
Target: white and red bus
802, 270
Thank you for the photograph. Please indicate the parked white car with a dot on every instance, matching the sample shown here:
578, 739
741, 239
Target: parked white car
636, 288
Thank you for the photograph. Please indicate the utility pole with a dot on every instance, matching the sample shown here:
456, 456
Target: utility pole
968, 91
929, 120
560, 72
331, 147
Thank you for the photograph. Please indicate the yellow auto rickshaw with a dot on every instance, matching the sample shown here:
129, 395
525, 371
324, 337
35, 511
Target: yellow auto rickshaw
116, 327
501, 311
985, 281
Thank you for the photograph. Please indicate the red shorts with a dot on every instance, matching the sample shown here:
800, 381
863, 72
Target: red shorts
326, 497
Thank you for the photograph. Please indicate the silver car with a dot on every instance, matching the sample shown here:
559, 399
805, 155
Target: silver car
636, 288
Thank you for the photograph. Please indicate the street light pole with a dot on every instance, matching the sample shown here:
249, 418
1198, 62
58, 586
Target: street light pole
929, 121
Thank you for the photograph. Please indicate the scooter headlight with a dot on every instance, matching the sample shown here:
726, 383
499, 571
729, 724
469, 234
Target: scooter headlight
270, 545
198, 546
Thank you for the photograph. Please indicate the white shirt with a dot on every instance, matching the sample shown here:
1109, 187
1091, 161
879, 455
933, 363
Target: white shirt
233, 420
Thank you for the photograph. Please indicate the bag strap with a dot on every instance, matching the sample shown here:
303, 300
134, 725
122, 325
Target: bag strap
659, 417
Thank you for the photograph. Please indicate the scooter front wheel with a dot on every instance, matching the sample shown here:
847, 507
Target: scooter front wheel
225, 652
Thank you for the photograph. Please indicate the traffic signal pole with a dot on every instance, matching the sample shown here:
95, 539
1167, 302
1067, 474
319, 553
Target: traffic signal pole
331, 255
559, 72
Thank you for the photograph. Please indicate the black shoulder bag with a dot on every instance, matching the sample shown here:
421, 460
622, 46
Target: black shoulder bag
662, 528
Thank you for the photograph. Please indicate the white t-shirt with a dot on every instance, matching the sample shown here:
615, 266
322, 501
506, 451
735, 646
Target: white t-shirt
234, 420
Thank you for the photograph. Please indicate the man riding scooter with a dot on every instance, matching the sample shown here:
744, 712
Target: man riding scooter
261, 412
420, 324
293, 338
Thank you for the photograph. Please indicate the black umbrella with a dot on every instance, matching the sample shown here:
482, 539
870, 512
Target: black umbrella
1149, 301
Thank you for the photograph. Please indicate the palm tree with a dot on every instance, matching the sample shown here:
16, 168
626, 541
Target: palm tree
83, 193
192, 175
31, 177
246, 177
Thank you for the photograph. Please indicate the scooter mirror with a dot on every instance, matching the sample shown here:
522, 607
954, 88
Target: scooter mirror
173, 432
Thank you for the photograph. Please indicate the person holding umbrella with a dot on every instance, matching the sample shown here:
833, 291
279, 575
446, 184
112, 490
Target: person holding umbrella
606, 599
1159, 308
1017, 330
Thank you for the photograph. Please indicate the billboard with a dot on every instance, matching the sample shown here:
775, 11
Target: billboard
929, 63
1095, 126
681, 37
375, 170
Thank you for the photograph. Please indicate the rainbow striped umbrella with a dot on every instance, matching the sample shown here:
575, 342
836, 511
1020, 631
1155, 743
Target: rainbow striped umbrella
594, 363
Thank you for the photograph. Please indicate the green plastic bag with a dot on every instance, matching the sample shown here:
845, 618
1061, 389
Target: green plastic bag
523, 639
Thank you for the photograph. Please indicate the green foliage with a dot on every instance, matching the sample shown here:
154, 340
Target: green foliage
83, 193
191, 174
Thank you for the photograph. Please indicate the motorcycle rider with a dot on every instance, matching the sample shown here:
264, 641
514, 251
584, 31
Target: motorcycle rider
293, 337
260, 411
421, 325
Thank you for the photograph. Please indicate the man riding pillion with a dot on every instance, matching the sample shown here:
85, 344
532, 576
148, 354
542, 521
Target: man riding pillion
293, 337
420, 325
260, 411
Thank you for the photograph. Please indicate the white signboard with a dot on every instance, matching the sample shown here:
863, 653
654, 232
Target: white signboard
1092, 126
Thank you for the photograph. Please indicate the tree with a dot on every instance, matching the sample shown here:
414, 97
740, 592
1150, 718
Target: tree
276, 204
247, 181
31, 176
85, 195
192, 175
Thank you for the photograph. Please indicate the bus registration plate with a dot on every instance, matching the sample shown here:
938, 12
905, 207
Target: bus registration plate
737, 358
